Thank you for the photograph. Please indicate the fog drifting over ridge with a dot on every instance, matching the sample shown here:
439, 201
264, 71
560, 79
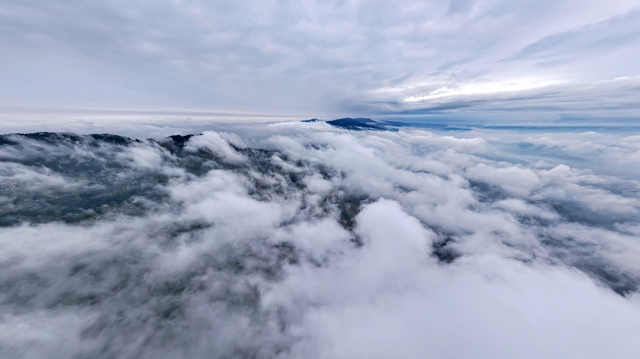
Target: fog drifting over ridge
296, 240
322, 57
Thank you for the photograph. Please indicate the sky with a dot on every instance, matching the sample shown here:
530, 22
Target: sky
323, 58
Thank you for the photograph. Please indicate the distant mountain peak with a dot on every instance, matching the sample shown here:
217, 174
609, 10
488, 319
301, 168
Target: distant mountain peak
355, 124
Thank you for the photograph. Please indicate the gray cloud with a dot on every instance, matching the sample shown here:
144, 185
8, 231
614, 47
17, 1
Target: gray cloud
590, 40
316, 57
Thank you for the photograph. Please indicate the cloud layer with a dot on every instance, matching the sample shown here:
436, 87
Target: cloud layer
321, 57
295, 240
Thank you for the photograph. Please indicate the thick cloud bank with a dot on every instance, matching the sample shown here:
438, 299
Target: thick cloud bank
305, 241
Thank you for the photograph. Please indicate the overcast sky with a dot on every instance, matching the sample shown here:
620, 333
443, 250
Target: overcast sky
323, 57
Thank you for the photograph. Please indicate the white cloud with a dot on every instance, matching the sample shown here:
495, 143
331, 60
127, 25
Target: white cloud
218, 144
482, 89
515, 180
326, 243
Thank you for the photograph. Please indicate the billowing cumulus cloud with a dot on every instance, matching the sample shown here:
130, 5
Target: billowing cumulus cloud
327, 57
302, 240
